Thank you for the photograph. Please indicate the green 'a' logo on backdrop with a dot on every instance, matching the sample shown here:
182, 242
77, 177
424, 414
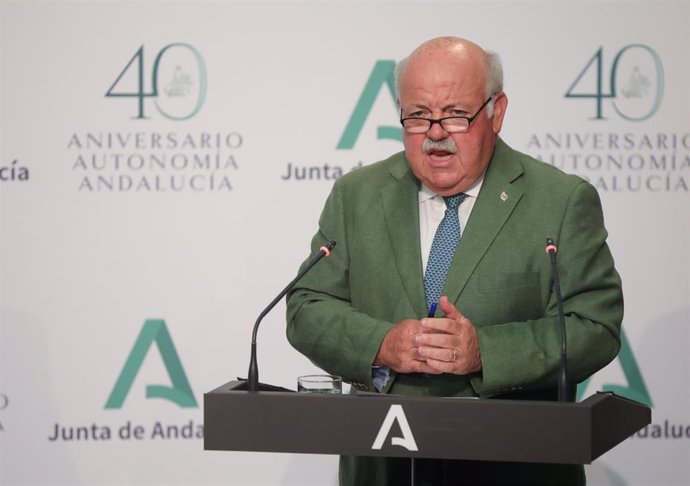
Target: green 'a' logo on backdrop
636, 388
382, 76
154, 331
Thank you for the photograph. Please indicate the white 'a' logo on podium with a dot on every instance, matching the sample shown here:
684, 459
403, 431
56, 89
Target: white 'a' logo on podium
407, 441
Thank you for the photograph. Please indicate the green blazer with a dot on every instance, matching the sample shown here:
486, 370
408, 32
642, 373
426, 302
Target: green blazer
500, 278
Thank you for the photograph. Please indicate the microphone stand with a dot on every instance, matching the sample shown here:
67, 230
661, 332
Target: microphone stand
253, 374
563, 385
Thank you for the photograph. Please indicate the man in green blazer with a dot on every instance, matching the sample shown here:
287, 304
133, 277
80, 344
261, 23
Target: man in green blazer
362, 313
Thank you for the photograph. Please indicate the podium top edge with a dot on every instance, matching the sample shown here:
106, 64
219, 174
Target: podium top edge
236, 387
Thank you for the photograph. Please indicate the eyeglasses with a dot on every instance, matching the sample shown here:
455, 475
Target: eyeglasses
451, 124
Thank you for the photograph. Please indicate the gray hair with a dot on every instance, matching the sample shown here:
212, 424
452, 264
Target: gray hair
494, 77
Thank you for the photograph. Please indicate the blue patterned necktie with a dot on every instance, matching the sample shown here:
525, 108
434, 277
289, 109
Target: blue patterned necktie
442, 249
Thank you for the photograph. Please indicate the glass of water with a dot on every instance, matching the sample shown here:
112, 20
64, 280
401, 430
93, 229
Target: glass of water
328, 384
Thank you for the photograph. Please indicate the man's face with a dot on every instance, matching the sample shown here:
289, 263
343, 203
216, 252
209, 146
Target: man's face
437, 85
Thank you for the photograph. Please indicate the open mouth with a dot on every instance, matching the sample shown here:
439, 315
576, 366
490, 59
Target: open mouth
440, 155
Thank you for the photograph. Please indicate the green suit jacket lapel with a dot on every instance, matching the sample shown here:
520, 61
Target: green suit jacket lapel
500, 193
401, 214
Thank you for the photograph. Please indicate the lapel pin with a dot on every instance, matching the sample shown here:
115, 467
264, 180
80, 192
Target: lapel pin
504, 196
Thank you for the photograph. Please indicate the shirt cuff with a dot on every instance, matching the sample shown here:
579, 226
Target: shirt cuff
380, 376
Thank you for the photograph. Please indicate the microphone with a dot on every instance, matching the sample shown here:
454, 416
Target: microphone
253, 375
563, 385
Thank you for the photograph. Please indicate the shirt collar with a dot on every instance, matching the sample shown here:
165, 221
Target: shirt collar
425, 193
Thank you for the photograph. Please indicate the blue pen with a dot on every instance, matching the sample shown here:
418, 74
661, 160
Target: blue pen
432, 309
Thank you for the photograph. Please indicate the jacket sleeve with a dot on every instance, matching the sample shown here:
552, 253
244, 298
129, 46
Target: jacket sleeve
321, 320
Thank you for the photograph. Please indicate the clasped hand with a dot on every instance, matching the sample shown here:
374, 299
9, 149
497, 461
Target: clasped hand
432, 345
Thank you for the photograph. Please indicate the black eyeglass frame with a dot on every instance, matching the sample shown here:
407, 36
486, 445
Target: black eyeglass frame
440, 121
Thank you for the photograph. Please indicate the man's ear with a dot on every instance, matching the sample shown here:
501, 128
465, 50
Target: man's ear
500, 105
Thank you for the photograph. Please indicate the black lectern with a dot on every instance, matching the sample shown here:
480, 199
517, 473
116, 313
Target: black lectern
403, 426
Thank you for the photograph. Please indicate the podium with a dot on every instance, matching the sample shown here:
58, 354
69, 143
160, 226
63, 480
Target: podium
370, 424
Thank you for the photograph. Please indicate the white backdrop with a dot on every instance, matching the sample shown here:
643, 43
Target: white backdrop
114, 214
